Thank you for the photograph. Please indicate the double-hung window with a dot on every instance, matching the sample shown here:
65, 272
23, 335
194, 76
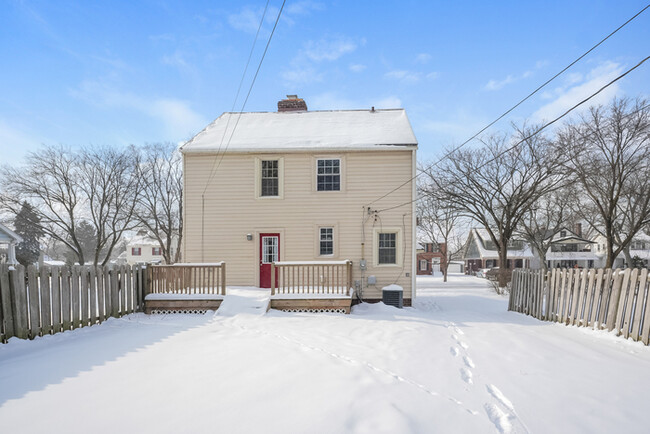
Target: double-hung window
270, 178
326, 241
328, 175
136, 251
387, 248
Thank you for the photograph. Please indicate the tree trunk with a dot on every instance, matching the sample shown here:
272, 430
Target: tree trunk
628, 257
503, 266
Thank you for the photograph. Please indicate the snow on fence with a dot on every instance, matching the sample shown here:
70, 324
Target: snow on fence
604, 299
311, 277
188, 279
36, 302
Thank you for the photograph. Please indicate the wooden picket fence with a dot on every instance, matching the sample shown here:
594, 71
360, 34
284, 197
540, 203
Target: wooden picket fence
36, 302
604, 299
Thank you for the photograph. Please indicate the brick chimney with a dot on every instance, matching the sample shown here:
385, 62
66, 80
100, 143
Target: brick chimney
578, 229
292, 104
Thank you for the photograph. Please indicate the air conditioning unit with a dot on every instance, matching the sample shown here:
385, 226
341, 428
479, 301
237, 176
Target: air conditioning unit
393, 295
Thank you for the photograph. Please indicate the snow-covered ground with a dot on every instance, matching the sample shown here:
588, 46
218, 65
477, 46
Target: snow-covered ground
457, 362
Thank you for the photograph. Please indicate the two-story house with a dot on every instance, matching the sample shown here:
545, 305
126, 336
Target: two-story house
143, 248
299, 185
430, 258
569, 249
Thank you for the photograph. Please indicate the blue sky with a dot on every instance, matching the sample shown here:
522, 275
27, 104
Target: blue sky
125, 72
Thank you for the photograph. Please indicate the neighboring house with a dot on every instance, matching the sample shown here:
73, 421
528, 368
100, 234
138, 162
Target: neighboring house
480, 252
430, 258
640, 247
569, 250
299, 185
142, 248
9, 239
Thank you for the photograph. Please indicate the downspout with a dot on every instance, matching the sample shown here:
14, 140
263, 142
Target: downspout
413, 223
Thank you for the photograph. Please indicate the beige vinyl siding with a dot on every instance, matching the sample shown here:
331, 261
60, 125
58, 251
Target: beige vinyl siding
231, 211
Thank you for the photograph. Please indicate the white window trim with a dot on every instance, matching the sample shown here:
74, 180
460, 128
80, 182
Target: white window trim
342, 173
335, 233
399, 246
426, 265
258, 178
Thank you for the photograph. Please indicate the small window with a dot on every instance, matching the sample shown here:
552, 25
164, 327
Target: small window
329, 175
562, 234
156, 251
136, 251
387, 248
326, 241
270, 178
424, 265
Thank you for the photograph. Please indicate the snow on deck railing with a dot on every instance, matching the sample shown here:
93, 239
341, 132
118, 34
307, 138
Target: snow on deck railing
188, 278
311, 277
602, 299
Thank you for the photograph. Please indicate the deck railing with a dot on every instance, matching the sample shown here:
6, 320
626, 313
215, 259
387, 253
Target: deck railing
188, 279
311, 277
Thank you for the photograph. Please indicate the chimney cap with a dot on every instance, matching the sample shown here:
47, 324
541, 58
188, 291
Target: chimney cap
292, 96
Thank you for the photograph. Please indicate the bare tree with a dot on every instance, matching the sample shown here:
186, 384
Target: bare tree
160, 208
440, 221
48, 182
497, 184
71, 190
609, 152
543, 220
110, 182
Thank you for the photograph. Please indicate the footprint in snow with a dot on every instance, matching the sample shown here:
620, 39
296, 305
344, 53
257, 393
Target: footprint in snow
466, 375
499, 418
469, 362
499, 396
454, 351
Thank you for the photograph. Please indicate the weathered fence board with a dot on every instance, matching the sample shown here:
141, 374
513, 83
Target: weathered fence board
53, 299
615, 300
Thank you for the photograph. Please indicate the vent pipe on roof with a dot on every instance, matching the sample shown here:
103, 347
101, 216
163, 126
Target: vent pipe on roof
292, 104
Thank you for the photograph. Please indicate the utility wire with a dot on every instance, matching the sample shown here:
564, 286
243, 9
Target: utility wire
241, 110
515, 106
538, 130
241, 82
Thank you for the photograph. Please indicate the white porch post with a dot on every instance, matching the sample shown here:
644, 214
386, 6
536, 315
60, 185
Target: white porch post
12, 254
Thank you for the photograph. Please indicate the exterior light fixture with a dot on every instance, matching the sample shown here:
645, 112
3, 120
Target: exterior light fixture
249, 237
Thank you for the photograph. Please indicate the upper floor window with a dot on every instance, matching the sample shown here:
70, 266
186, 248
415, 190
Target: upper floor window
156, 251
136, 251
562, 234
270, 179
326, 241
328, 176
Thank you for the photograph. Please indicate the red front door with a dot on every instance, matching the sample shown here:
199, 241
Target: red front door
269, 252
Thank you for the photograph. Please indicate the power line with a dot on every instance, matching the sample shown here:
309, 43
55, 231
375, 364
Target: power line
259, 66
241, 82
515, 106
538, 130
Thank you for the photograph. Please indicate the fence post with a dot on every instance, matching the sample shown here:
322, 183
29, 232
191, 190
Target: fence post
5, 301
349, 270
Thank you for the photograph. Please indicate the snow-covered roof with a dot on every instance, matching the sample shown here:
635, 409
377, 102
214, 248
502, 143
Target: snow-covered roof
305, 130
142, 240
488, 253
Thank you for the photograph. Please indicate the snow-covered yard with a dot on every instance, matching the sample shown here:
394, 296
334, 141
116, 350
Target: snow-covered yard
456, 362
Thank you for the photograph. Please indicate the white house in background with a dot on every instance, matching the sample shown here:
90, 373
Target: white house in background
143, 248
640, 246
9, 238
481, 252
569, 249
